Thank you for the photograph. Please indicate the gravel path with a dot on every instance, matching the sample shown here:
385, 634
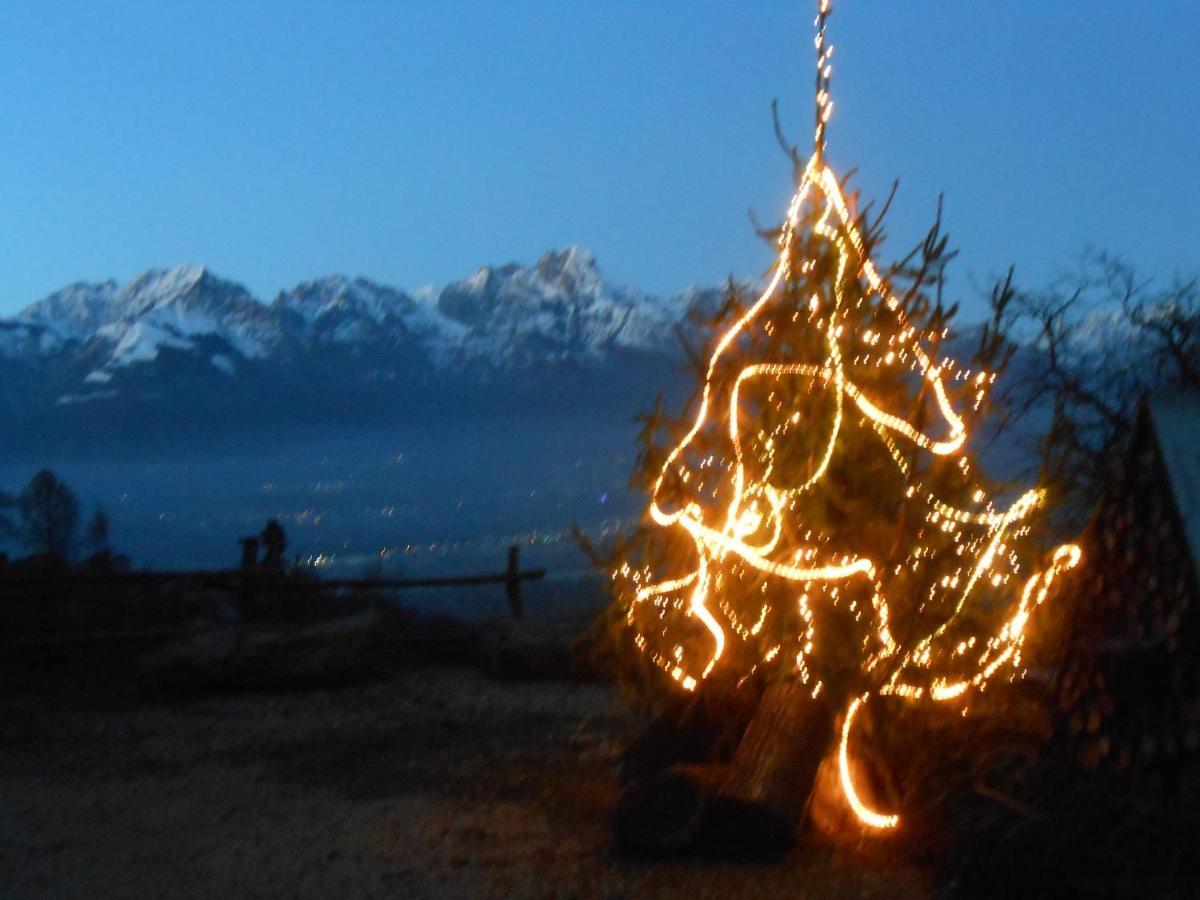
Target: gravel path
434, 783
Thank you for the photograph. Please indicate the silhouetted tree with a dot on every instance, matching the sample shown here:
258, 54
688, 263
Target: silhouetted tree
1108, 337
49, 515
8, 525
96, 539
274, 541
249, 547
9, 530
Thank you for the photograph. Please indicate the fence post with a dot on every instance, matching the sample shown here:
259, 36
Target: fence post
512, 585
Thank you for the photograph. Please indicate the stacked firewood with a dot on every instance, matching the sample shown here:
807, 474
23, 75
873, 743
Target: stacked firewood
1129, 686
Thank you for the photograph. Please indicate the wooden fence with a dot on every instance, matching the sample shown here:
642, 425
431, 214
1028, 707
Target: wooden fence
81, 606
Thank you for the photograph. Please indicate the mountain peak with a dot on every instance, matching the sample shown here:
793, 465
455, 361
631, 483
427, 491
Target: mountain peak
180, 277
75, 310
571, 269
159, 287
336, 296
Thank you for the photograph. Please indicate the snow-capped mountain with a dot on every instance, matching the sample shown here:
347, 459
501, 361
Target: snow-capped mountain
180, 347
157, 309
75, 311
340, 310
559, 309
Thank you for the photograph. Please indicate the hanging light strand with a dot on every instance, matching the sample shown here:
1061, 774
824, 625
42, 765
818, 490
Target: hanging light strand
977, 537
824, 104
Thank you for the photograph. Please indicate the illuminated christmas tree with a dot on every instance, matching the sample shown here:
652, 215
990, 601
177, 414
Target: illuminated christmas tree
816, 517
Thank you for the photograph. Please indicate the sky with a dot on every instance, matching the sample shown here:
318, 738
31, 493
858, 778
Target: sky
411, 142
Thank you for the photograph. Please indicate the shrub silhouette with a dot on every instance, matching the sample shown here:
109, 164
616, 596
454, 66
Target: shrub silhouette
49, 516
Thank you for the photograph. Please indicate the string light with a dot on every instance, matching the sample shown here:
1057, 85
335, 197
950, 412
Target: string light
866, 815
722, 535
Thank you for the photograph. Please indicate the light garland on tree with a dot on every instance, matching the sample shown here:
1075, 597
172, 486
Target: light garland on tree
759, 526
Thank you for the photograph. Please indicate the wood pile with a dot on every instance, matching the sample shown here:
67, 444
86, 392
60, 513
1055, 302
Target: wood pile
1129, 687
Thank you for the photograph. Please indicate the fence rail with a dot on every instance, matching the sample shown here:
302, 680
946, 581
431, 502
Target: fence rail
248, 582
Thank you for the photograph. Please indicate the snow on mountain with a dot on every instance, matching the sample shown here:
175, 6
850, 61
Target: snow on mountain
161, 308
184, 351
501, 318
172, 309
338, 310
338, 297
559, 308
75, 311
161, 287
68, 315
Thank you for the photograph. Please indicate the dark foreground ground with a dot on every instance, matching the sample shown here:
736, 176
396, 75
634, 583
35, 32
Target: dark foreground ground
437, 782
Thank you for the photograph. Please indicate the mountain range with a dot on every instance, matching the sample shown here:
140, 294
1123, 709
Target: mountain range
183, 359
181, 354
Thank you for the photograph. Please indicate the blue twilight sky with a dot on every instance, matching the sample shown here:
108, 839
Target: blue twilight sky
412, 141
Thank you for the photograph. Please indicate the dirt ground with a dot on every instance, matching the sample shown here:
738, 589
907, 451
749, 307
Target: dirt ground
437, 782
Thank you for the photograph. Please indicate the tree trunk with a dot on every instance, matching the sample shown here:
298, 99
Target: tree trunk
747, 808
775, 767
